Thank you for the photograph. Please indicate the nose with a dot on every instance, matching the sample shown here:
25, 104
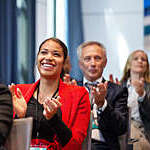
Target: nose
140, 60
49, 56
93, 62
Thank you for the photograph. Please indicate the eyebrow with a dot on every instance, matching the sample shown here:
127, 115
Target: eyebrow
50, 49
44, 49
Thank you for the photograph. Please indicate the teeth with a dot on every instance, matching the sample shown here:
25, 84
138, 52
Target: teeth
47, 65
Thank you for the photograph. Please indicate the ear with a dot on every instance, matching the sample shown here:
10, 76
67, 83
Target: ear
105, 63
80, 64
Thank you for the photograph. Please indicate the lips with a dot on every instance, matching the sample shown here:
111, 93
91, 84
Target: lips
93, 70
140, 66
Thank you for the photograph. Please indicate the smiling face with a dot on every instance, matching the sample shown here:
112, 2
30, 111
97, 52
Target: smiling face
92, 62
50, 59
139, 63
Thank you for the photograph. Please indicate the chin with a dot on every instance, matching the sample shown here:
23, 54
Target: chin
46, 74
93, 78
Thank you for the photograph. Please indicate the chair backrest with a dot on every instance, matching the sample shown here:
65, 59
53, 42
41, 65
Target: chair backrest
86, 145
123, 139
20, 135
129, 123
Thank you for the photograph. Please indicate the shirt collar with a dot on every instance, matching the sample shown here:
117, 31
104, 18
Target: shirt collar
128, 83
87, 81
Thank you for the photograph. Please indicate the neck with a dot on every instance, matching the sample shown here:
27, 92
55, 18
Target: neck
135, 76
48, 87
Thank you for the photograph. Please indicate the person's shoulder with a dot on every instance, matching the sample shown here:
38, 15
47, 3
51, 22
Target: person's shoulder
75, 93
24, 85
117, 87
26, 88
75, 87
5, 93
113, 85
73, 90
147, 83
27, 85
3, 87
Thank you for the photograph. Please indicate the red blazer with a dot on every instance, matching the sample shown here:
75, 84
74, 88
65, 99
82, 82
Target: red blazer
75, 110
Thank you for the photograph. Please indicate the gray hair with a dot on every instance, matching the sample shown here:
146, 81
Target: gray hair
81, 46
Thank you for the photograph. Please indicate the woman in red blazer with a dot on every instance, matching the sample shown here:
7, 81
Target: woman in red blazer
60, 112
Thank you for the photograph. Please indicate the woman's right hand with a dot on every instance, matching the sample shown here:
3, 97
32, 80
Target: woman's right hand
19, 103
139, 85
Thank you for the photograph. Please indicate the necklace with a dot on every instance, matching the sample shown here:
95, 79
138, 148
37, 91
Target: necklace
41, 98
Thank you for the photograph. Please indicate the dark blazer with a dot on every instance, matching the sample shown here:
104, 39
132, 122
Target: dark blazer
113, 120
6, 113
144, 108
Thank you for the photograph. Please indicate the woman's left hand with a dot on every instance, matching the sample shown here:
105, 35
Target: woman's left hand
51, 106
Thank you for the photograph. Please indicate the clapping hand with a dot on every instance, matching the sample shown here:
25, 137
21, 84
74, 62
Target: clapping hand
139, 85
19, 103
111, 79
51, 106
99, 93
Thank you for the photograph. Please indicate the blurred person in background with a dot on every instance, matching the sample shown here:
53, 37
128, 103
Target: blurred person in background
66, 68
136, 78
6, 114
65, 75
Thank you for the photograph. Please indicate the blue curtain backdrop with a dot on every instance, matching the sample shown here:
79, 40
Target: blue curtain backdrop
8, 49
74, 34
146, 7
31, 13
8, 42
146, 14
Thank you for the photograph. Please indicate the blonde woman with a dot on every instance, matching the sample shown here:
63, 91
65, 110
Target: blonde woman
136, 78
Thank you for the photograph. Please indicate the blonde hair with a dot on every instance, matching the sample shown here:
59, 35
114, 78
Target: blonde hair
126, 72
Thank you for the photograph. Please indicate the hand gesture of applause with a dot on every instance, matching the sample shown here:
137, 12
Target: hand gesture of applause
19, 103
